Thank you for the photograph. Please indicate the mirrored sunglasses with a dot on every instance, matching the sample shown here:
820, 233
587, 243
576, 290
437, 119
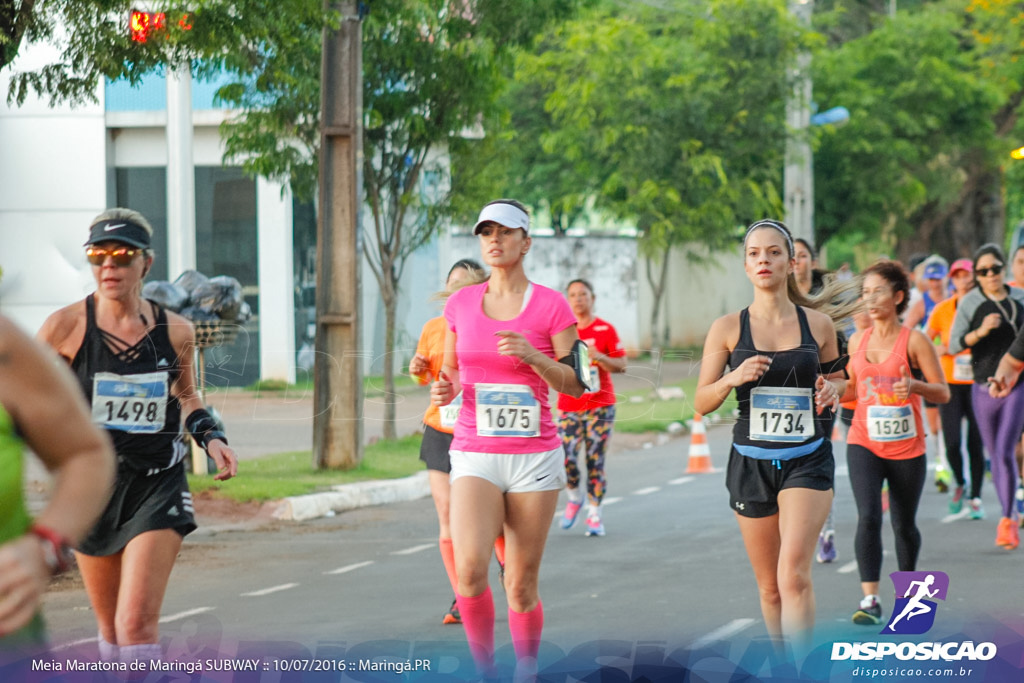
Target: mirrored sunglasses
121, 256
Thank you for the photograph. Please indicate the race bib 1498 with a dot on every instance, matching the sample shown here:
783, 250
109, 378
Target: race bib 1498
130, 403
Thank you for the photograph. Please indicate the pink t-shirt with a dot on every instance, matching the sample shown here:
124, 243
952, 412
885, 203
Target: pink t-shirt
546, 314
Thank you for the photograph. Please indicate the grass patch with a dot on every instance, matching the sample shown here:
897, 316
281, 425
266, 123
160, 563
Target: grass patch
654, 414
293, 474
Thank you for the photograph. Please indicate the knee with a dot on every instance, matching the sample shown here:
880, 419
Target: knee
795, 583
770, 595
521, 593
472, 577
135, 628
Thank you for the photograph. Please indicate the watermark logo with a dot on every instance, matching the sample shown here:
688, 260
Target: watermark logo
915, 607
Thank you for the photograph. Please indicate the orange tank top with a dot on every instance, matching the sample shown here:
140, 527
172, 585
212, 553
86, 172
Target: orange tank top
883, 424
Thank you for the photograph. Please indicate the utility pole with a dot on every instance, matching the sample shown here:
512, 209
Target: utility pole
337, 371
798, 178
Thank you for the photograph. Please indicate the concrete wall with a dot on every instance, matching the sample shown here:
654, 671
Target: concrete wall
53, 180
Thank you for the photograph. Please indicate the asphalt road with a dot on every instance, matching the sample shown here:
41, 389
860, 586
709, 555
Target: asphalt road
670, 579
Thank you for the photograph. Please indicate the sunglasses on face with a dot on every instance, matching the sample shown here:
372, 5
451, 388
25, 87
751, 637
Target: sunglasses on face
994, 270
122, 256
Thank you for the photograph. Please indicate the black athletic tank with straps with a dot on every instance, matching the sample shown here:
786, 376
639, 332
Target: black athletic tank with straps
780, 418
129, 389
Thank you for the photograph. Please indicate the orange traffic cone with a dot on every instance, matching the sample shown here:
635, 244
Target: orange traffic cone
700, 453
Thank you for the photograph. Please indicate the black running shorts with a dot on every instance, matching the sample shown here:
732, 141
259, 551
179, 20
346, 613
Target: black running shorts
754, 484
434, 449
142, 503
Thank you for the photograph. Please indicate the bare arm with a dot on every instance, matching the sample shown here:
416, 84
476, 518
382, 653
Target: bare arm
609, 363
915, 315
558, 376
51, 413
1007, 374
183, 339
446, 387
713, 386
922, 354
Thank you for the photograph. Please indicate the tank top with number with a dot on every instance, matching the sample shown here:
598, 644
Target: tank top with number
129, 390
777, 419
888, 427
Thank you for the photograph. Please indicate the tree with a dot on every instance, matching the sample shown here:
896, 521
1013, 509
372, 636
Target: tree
671, 118
933, 96
94, 39
432, 70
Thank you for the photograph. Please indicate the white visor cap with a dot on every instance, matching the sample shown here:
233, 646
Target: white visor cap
503, 214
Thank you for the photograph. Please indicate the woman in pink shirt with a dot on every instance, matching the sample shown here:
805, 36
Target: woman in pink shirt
503, 339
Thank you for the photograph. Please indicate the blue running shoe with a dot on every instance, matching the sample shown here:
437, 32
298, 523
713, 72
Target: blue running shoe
594, 526
826, 547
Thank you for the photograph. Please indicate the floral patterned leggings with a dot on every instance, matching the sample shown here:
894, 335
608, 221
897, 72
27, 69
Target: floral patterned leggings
592, 428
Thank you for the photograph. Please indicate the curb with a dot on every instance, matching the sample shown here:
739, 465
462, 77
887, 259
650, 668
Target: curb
351, 496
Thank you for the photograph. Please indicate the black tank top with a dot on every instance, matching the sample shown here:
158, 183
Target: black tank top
782, 419
130, 392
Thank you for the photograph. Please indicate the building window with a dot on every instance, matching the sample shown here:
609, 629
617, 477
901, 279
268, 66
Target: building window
145, 190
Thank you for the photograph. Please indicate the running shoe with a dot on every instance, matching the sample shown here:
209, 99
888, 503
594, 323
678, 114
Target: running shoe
452, 616
572, 511
885, 497
1007, 535
956, 503
869, 613
942, 480
1020, 499
977, 512
826, 547
594, 526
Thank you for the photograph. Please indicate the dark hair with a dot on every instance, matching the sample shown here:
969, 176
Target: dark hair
807, 246
990, 248
777, 225
893, 273
514, 202
582, 282
466, 264
916, 259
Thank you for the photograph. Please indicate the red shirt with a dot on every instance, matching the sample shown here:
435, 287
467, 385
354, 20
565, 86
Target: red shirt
606, 340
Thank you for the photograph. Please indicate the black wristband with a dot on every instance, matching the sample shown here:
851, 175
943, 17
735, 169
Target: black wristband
203, 428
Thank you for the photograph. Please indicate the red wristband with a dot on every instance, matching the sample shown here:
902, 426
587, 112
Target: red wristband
56, 549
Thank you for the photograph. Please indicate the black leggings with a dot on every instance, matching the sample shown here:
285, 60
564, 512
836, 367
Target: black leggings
958, 408
906, 482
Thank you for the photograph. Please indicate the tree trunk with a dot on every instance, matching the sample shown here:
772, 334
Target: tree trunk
389, 294
657, 291
956, 230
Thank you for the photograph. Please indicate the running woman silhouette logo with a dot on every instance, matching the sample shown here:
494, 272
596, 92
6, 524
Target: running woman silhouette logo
914, 611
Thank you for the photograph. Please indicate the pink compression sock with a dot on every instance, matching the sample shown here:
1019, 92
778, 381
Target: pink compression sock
478, 619
526, 628
448, 558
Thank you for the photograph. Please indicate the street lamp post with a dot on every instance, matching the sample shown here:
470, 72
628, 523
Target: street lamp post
798, 177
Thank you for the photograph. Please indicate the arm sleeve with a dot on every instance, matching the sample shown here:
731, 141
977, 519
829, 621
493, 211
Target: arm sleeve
962, 323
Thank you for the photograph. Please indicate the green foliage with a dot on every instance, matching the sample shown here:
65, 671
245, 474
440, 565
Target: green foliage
671, 119
932, 94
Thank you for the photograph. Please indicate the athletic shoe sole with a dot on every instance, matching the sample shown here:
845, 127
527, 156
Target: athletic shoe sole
866, 619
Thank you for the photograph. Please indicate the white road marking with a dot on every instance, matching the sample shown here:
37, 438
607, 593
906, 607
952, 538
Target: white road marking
646, 491
611, 501
272, 589
848, 567
681, 480
414, 549
187, 613
963, 514
351, 567
723, 633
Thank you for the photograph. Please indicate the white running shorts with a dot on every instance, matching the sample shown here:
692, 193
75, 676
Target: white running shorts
515, 472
